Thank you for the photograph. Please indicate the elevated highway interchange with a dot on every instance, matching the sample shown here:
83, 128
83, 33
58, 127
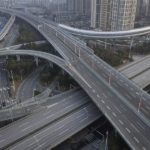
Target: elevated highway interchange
116, 96
26, 108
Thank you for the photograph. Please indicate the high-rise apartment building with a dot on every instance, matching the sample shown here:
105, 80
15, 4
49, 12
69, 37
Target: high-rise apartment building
70, 6
139, 8
123, 14
148, 9
100, 14
78, 7
114, 15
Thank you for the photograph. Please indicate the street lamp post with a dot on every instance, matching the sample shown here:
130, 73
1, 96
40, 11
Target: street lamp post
79, 53
110, 76
140, 102
106, 143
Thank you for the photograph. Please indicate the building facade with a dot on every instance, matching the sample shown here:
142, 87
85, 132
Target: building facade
123, 14
114, 15
79, 7
100, 14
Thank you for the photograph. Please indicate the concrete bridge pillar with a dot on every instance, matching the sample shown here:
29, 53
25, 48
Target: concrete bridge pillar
36, 61
105, 44
51, 65
63, 72
18, 57
148, 37
131, 45
6, 56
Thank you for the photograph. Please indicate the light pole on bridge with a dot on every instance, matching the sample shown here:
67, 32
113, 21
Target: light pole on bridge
110, 77
140, 102
106, 143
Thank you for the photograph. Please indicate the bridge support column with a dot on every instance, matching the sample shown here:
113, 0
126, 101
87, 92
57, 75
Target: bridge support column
6, 56
105, 43
63, 72
18, 57
51, 65
36, 61
148, 37
131, 45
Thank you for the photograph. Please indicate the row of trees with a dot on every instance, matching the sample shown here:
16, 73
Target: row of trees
27, 33
142, 49
112, 57
20, 68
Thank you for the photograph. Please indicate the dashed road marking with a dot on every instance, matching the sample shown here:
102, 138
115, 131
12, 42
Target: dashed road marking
134, 127
103, 101
136, 139
114, 114
108, 108
143, 148
94, 91
98, 96
121, 122
128, 130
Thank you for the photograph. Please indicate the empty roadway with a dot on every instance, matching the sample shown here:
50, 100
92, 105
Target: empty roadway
42, 118
105, 96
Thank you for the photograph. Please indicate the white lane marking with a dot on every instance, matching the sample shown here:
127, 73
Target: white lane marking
120, 122
52, 105
63, 132
72, 68
128, 130
98, 96
26, 128
104, 95
144, 98
94, 91
60, 127
84, 119
31, 144
140, 125
23, 124
145, 111
117, 109
114, 114
135, 127
108, 108
143, 148
80, 116
136, 139
103, 101
49, 116
123, 107
69, 106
